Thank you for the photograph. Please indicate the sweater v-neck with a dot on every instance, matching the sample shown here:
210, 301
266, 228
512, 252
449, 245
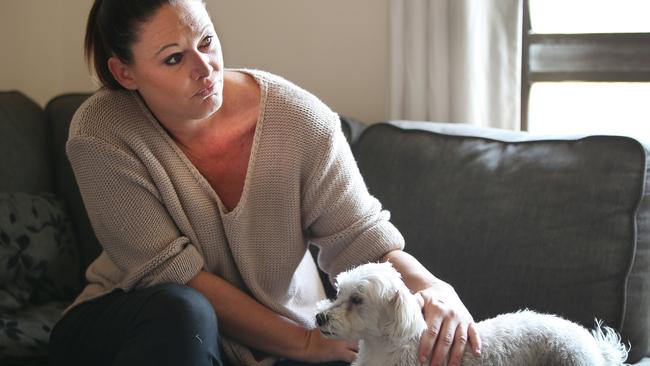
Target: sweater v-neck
203, 182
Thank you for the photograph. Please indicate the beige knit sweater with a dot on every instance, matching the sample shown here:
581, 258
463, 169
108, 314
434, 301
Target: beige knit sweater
158, 219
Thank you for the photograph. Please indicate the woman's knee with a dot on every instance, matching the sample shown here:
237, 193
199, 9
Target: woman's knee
175, 325
179, 306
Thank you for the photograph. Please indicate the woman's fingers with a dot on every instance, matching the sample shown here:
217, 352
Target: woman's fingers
449, 330
444, 342
429, 339
350, 351
474, 339
460, 343
434, 317
354, 346
349, 356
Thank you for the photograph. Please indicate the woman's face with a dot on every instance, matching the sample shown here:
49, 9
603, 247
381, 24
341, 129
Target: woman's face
177, 64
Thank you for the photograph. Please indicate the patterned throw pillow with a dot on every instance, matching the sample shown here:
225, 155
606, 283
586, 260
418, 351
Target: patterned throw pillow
39, 261
25, 335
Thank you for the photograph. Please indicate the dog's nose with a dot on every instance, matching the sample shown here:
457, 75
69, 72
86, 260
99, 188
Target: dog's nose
321, 319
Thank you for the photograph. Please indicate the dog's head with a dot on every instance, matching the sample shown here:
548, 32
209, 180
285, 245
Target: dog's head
372, 301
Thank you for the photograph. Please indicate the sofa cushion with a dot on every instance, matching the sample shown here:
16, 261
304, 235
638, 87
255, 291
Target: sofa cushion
24, 335
516, 221
38, 257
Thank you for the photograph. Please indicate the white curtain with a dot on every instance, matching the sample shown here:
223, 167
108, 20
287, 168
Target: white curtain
456, 61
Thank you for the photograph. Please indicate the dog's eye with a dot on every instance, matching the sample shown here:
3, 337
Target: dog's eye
356, 300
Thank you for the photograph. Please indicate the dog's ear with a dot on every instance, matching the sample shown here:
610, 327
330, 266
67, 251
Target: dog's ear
402, 316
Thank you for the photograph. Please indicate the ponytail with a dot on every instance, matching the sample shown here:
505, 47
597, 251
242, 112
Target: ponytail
95, 50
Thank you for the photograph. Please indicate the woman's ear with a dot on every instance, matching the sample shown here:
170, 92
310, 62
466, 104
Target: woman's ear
122, 73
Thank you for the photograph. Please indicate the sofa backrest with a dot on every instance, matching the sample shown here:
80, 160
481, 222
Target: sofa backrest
25, 148
515, 221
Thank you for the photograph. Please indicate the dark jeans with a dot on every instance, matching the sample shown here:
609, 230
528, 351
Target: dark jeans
161, 325
296, 363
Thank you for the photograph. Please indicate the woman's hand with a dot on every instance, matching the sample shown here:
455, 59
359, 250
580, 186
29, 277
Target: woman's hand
449, 327
320, 349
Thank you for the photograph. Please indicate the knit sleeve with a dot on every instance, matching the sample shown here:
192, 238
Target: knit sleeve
344, 221
125, 209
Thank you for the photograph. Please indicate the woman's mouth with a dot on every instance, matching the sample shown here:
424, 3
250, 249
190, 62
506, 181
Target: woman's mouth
205, 92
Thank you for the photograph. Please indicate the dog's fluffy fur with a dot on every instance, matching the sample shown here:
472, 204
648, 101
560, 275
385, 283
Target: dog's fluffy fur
374, 307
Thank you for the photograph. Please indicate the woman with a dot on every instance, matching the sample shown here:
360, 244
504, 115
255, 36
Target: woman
205, 187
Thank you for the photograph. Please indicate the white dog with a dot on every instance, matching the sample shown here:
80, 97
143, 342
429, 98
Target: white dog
376, 308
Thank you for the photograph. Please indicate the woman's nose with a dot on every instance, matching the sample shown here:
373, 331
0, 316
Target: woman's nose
201, 67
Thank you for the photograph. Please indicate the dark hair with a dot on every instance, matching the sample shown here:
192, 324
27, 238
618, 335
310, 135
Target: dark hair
111, 31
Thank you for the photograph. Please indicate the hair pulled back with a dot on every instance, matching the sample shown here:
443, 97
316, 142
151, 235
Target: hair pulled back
112, 30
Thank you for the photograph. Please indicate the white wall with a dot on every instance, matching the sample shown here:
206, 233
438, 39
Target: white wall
41, 47
337, 49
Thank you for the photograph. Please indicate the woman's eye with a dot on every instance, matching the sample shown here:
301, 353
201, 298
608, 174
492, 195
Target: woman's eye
173, 59
207, 41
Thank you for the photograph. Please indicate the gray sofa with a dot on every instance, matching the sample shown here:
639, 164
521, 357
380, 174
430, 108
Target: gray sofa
512, 220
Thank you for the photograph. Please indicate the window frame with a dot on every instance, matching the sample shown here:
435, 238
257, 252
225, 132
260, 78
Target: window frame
590, 57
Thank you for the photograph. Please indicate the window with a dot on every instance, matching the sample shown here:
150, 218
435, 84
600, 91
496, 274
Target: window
585, 67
